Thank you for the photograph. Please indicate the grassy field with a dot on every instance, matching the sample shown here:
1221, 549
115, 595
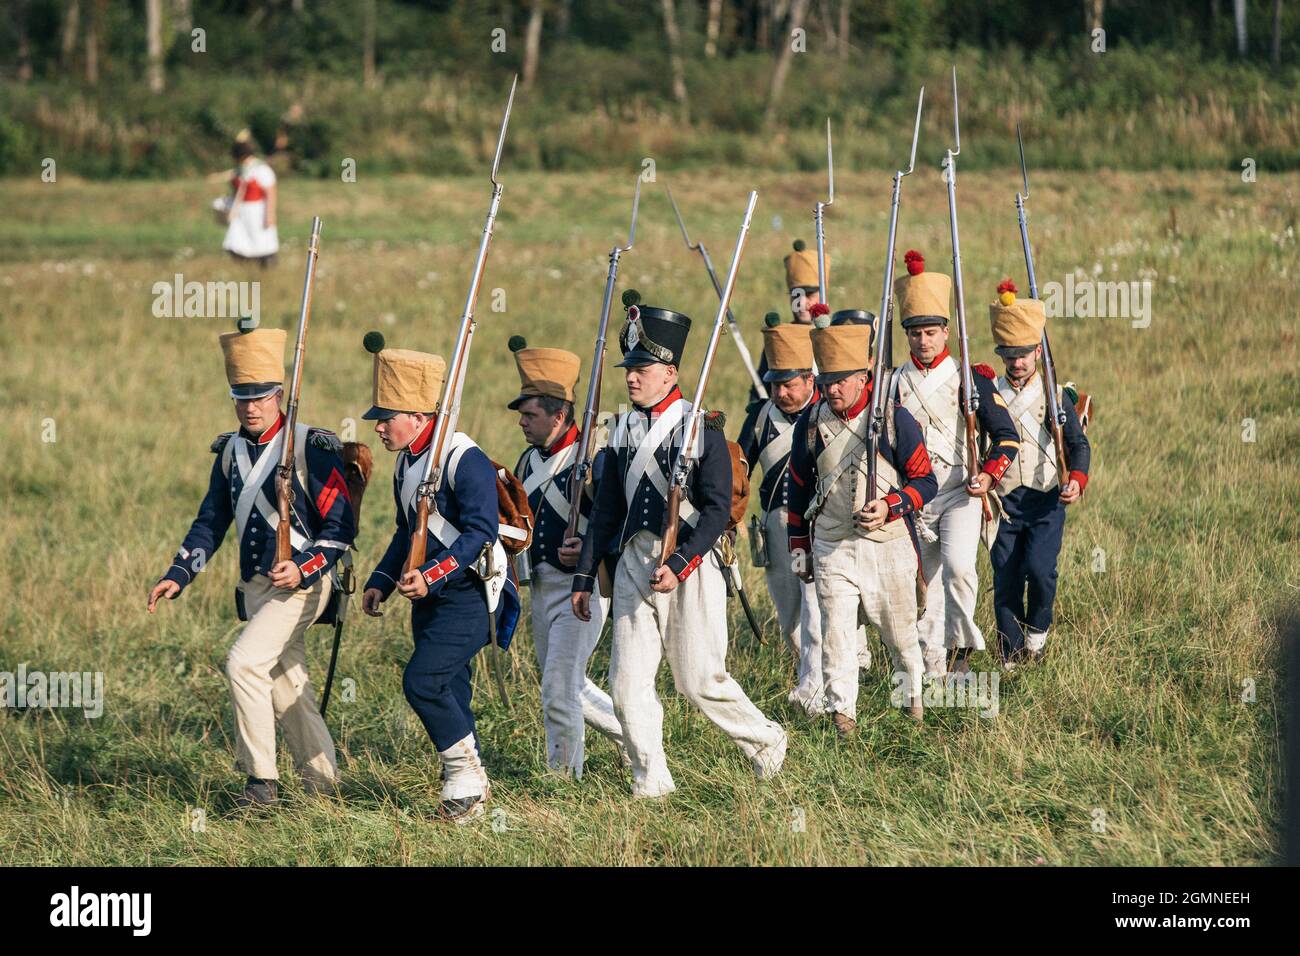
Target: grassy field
1139, 741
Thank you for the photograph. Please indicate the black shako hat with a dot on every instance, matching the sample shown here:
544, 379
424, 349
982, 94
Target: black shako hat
651, 334
853, 317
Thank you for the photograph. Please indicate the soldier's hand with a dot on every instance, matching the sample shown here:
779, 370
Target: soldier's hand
413, 586
569, 552
663, 581
580, 601
981, 486
873, 516
1071, 492
286, 576
801, 566
163, 589
371, 600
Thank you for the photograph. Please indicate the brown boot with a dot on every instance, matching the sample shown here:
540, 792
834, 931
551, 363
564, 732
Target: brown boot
845, 726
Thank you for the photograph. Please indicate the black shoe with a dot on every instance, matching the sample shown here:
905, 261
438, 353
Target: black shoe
258, 793
461, 809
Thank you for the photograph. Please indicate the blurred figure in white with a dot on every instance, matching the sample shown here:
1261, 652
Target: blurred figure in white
249, 212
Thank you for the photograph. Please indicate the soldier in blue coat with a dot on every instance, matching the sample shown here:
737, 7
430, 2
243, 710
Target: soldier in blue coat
267, 665
676, 607
1031, 492
456, 590
570, 699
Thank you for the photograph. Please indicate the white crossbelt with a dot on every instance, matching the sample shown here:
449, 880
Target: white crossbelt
542, 474
1023, 407
447, 533
778, 447
922, 389
253, 495
632, 432
837, 456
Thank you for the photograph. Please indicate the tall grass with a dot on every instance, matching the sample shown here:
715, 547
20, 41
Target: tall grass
1137, 742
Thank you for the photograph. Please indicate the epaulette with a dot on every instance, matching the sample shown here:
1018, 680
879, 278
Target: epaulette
715, 420
219, 442
985, 370
756, 403
324, 438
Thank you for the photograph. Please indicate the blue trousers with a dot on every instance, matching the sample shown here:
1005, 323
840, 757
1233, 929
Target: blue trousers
1024, 569
450, 628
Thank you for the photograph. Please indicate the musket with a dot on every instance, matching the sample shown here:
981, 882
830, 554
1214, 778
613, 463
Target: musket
818, 217
1055, 412
587, 439
284, 471
448, 411
732, 326
682, 464
970, 401
885, 318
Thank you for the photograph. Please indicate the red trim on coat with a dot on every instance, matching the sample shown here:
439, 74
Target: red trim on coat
269, 435
421, 441
440, 570
565, 440
329, 494
937, 359
1081, 477
658, 409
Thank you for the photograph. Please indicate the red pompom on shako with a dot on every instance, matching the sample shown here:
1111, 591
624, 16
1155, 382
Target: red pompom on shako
1006, 285
821, 308
915, 262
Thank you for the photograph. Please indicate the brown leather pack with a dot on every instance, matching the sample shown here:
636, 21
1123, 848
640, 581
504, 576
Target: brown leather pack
513, 510
739, 485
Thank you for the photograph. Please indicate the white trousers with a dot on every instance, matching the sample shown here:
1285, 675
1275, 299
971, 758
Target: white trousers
689, 626
267, 667
800, 617
951, 582
880, 578
564, 646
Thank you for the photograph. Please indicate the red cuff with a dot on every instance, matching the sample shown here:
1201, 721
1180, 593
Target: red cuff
440, 570
1081, 477
313, 564
997, 466
800, 542
691, 566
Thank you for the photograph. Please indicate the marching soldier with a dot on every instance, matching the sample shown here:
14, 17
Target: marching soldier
1032, 497
267, 666
564, 644
765, 440
449, 604
949, 528
805, 292
678, 607
857, 544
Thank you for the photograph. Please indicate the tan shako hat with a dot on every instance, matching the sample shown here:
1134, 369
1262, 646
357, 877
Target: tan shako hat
544, 372
405, 381
840, 350
1017, 323
801, 268
922, 296
787, 348
254, 361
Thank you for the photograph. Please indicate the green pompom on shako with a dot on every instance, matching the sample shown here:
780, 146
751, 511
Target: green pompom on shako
800, 245
631, 297
374, 342
517, 343
246, 324
771, 320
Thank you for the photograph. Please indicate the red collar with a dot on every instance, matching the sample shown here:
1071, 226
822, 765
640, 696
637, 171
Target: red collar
814, 398
421, 441
269, 435
664, 402
859, 405
565, 440
937, 359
